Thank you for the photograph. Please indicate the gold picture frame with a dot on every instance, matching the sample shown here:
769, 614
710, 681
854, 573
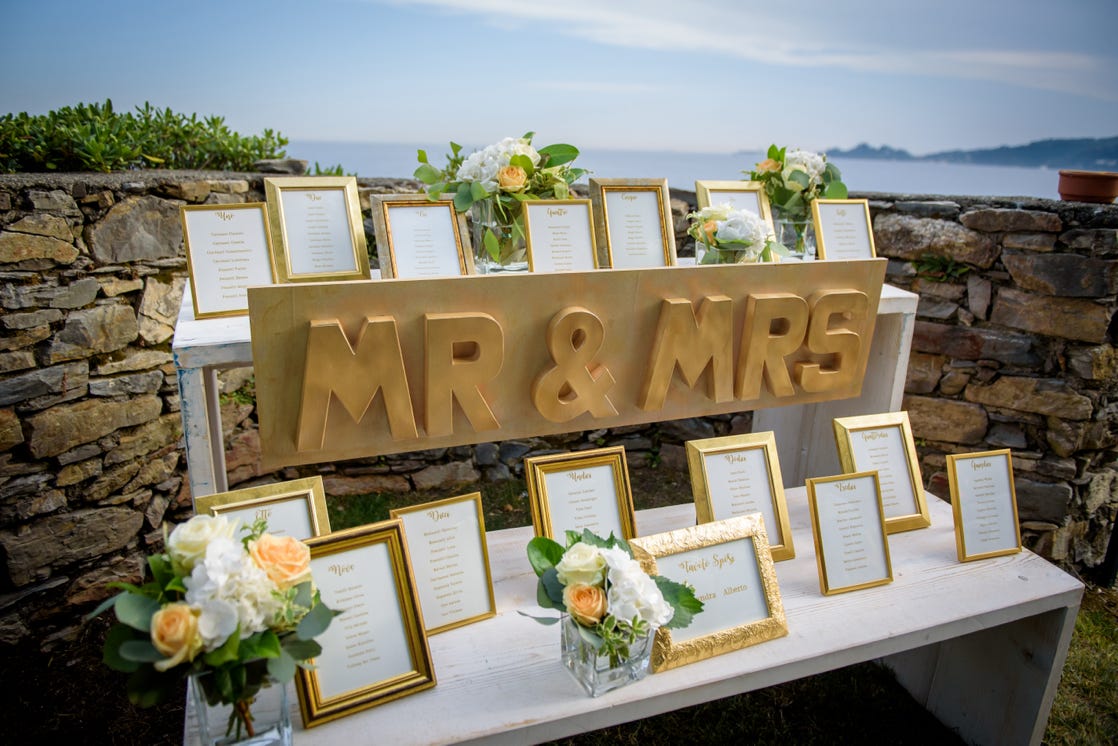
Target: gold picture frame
742, 195
227, 251
729, 565
848, 525
992, 523
634, 215
329, 217
840, 235
370, 655
724, 474
884, 442
547, 241
392, 263
594, 474
293, 508
431, 545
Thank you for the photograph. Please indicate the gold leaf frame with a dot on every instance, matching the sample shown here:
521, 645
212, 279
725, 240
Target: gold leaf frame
538, 468
526, 206
704, 195
308, 491
825, 585
846, 428
697, 453
953, 461
748, 530
382, 205
191, 262
275, 188
816, 220
314, 707
486, 570
598, 191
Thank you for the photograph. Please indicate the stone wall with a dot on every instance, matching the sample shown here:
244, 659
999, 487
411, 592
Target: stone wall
1014, 348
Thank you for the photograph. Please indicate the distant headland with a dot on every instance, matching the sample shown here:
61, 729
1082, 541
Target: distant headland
1095, 154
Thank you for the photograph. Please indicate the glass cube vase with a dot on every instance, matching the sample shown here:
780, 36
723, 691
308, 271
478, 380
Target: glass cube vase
594, 672
269, 721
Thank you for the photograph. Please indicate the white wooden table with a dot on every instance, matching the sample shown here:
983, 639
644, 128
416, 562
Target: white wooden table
980, 644
804, 438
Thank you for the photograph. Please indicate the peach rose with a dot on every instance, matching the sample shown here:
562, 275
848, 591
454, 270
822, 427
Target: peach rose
286, 560
512, 179
174, 633
768, 166
585, 603
710, 228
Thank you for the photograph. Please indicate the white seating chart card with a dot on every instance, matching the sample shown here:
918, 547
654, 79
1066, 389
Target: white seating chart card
560, 235
227, 251
984, 502
851, 547
842, 229
317, 231
579, 491
634, 223
418, 237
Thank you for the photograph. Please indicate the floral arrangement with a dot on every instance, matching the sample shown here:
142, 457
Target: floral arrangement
732, 236
501, 176
794, 178
244, 610
604, 590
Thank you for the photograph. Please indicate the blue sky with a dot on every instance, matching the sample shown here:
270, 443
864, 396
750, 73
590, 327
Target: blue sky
695, 75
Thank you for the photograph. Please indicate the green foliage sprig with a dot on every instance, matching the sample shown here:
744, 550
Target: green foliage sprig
94, 137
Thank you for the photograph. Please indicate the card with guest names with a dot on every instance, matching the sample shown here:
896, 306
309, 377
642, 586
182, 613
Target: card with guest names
635, 228
852, 550
227, 250
984, 503
317, 227
560, 235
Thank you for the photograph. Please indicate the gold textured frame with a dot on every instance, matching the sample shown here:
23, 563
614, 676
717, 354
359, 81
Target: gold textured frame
528, 205
382, 206
671, 549
601, 188
867, 480
848, 428
277, 188
195, 264
538, 468
709, 508
301, 496
410, 515
863, 205
339, 554
707, 194
954, 462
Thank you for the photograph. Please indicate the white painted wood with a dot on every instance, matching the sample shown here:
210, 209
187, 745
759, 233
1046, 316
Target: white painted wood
500, 680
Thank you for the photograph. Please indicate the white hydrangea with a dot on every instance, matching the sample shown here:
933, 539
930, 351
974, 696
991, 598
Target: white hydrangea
632, 593
745, 227
229, 589
482, 165
806, 161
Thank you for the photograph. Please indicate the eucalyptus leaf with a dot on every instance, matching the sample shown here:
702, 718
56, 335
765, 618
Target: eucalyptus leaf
304, 594
110, 654
463, 199
835, 190
301, 650
140, 651
136, 611
103, 607
315, 622
589, 637
477, 191
544, 620
549, 581
282, 668
800, 178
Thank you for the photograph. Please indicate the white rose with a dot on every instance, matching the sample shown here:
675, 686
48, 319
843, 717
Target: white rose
582, 564
187, 543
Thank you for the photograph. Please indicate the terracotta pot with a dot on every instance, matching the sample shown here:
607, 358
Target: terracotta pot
1088, 186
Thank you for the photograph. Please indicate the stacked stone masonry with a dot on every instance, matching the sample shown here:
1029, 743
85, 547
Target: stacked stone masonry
1014, 347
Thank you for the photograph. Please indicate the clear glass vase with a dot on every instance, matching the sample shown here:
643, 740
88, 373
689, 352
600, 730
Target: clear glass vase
506, 250
797, 235
596, 673
264, 720
726, 254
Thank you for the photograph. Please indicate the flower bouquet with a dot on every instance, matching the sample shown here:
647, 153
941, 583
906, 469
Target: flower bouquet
612, 606
235, 616
793, 179
724, 235
492, 183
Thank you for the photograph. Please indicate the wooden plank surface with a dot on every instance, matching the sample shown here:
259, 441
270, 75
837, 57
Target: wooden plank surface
500, 680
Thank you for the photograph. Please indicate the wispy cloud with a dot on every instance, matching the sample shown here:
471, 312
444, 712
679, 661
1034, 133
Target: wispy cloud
744, 31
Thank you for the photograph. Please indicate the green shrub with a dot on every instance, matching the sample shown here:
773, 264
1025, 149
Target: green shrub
92, 137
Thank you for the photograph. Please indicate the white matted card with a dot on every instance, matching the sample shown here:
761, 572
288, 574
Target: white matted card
228, 249
376, 650
579, 491
842, 229
851, 548
446, 542
419, 237
740, 195
317, 231
560, 235
884, 443
295, 508
729, 566
634, 223
738, 475
984, 502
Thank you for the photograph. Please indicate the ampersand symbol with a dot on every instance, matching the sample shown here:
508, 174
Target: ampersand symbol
576, 384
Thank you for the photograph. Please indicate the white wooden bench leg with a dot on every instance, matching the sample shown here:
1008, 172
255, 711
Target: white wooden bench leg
205, 454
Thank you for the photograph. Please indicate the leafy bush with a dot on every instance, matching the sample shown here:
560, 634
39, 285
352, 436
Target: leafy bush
92, 137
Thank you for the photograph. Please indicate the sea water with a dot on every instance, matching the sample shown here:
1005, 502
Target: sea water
682, 170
